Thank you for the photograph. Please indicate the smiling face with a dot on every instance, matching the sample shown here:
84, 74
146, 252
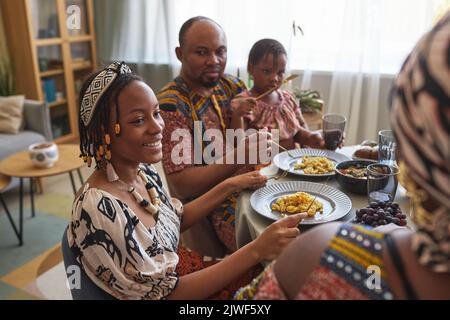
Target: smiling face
141, 126
268, 72
203, 54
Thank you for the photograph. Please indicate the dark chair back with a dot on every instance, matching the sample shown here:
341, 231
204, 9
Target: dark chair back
87, 290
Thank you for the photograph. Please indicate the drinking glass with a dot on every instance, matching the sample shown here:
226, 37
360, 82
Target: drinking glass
333, 130
386, 147
382, 182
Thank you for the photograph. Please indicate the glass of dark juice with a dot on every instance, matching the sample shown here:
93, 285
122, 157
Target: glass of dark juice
333, 130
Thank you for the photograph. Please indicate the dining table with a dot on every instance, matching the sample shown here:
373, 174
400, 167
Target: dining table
249, 224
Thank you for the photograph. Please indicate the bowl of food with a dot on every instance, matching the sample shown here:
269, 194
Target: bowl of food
352, 175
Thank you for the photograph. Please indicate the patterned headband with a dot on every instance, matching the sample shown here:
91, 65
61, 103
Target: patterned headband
98, 87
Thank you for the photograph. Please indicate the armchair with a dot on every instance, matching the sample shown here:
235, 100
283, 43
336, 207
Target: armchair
36, 127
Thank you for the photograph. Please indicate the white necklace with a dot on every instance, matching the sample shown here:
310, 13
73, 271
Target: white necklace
151, 207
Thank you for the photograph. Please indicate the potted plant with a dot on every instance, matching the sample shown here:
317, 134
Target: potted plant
309, 100
6, 77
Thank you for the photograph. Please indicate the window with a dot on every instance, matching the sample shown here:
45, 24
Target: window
339, 35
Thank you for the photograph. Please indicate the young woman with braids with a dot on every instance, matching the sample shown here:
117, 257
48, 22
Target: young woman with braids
125, 227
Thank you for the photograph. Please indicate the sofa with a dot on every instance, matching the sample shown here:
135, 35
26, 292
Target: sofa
36, 127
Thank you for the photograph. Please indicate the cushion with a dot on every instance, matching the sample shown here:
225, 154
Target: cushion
11, 113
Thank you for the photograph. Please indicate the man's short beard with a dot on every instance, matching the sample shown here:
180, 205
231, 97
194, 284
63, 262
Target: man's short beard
210, 84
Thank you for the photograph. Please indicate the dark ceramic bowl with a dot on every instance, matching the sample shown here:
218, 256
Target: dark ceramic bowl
352, 184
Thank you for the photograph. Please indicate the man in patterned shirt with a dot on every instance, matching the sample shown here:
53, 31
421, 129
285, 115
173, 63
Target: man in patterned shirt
198, 100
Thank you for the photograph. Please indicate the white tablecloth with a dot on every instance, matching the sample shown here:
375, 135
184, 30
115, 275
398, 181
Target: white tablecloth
249, 224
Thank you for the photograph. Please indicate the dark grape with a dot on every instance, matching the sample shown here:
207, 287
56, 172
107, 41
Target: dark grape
381, 213
381, 204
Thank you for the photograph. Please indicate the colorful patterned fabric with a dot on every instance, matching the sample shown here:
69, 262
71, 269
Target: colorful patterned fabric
285, 116
421, 122
119, 254
191, 261
344, 272
180, 107
222, 220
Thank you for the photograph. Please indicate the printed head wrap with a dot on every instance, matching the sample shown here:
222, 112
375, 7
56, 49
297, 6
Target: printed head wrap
420, 118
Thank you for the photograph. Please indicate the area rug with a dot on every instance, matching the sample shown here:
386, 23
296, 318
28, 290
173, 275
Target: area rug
35, 270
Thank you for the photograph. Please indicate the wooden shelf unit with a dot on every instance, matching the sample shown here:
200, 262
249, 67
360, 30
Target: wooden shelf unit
36, 33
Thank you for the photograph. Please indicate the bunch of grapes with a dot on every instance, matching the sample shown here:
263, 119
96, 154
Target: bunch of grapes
381, 213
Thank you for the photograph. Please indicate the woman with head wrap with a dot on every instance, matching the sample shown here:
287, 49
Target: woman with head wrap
344, 261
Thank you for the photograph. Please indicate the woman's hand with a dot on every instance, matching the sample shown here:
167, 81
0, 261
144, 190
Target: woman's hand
277, 236
250, 180
243, 107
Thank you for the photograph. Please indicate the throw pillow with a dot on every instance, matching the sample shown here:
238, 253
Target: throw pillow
11, 110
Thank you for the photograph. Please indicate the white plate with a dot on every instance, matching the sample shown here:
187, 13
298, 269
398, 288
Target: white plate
285, 162
335, 203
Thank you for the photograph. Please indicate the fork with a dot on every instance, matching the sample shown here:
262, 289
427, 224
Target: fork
284, 174
291, 77
283, 148
314, 199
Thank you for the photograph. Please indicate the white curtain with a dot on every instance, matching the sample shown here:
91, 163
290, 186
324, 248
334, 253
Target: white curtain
349, 50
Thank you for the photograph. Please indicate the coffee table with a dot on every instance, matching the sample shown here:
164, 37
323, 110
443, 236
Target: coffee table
19, 165
4, 182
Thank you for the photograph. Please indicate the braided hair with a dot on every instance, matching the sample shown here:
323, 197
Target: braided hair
263, 48
94, 137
